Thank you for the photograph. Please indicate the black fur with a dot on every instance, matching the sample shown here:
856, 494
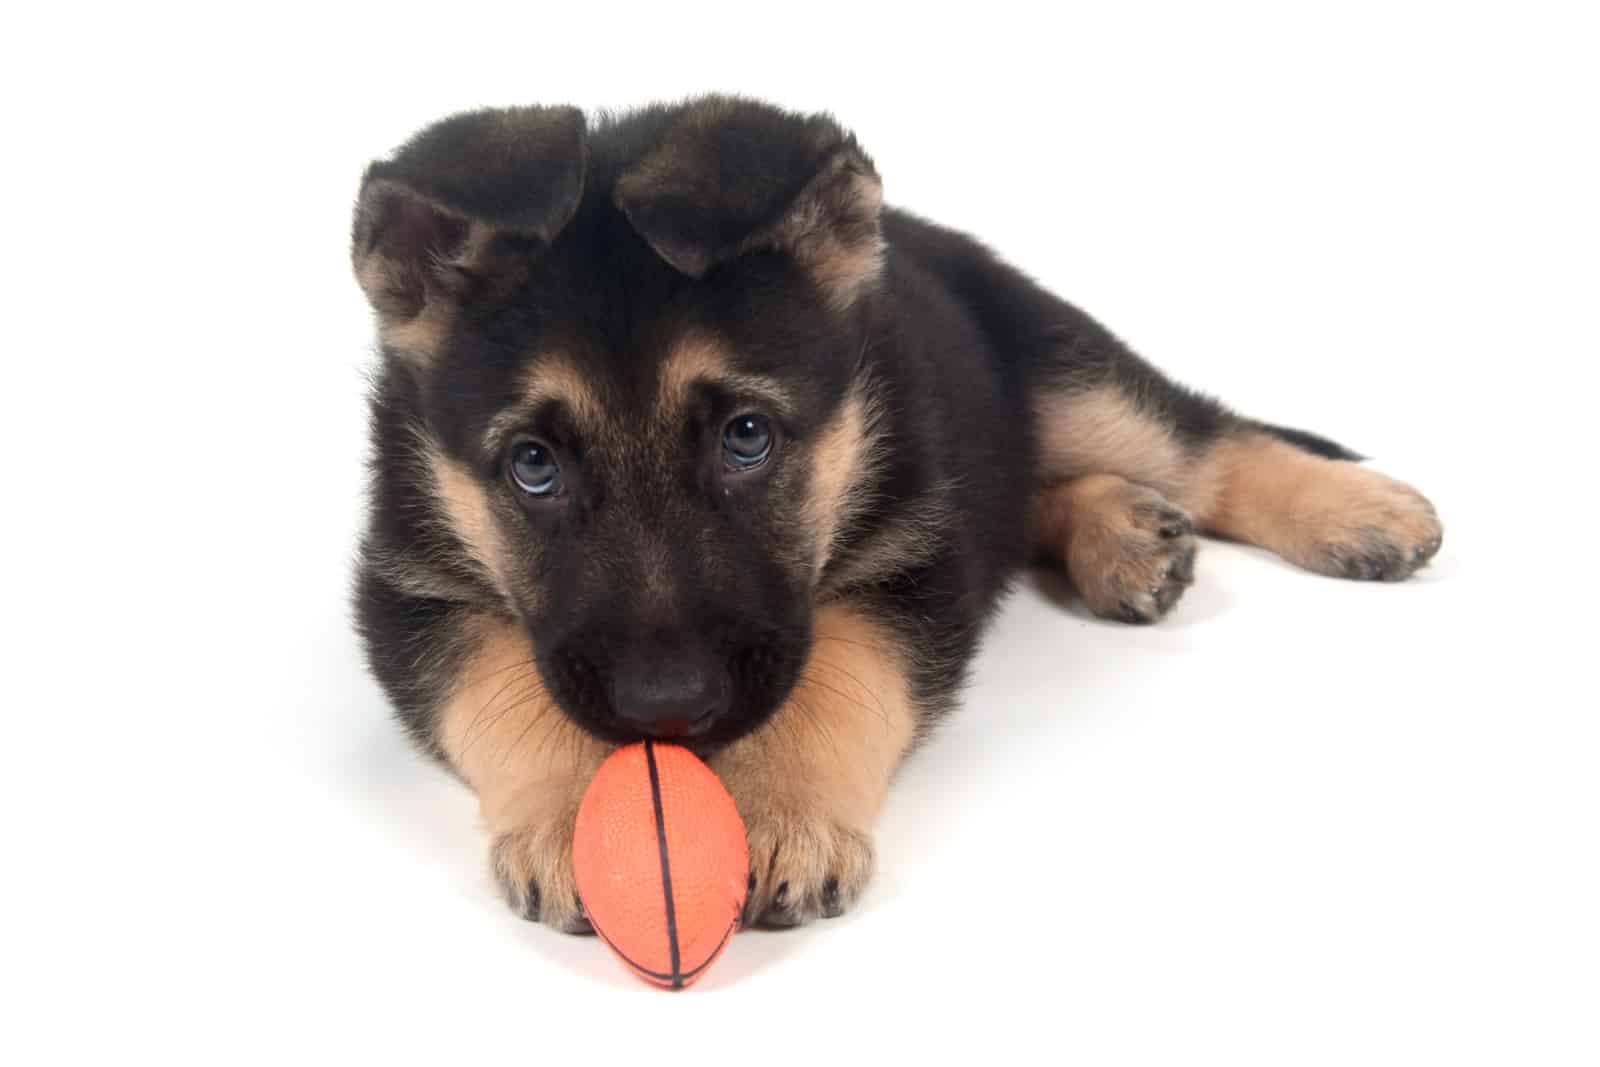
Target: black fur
726, 172
1310, 442
608, 243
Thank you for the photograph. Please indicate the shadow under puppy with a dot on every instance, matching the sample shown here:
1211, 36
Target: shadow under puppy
678, 433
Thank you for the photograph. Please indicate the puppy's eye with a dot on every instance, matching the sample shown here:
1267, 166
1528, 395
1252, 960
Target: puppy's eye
746, 441
534, 468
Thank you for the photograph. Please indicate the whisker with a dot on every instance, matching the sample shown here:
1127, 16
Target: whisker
477, 728
522, 672
467, 683
533, 720
820, 725
863, 686
878, 710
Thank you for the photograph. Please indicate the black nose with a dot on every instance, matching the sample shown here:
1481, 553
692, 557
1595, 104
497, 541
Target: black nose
665, 689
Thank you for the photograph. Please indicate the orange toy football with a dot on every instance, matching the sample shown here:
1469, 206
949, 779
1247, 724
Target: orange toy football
661, 861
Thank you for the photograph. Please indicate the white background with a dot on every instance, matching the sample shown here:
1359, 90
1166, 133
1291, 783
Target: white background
1302, 821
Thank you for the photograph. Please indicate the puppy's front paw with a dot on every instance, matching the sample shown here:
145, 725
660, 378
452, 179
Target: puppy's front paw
533, 866
803, 863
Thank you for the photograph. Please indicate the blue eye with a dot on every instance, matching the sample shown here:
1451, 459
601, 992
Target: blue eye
747, 441
534, 468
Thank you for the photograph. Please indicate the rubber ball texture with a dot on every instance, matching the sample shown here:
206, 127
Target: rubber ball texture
662, 862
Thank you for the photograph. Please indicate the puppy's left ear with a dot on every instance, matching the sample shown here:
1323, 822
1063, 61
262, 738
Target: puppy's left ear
733, 176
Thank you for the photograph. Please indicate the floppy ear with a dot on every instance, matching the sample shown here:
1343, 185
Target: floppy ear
428, 220
733, 176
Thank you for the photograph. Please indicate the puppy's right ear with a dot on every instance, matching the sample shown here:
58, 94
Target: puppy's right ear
429, 221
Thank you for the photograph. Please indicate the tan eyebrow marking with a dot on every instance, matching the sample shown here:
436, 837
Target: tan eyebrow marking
700, 358
553, 377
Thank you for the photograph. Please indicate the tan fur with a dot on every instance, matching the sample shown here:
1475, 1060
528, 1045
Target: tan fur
833, 234
809, 783
909, 540
416, 334
1325, 515
1329, 516
468, 514
1128, 551
699, 357
375, 276
421, 337
529, 765
552, 377
411, 573
842, 462
1100, 431
416, 337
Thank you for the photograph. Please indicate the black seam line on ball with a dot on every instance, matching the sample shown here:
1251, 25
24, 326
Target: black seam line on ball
686, 975
666, 871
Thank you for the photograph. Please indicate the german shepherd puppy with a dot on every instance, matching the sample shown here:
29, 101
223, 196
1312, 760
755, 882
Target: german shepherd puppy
678, 433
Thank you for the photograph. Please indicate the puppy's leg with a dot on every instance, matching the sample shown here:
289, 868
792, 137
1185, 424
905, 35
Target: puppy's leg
529, 765
1329, 516
809, 782
1122, 480
1099, 409
1130, 464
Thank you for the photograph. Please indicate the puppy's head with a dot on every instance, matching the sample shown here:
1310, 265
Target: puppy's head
636, 412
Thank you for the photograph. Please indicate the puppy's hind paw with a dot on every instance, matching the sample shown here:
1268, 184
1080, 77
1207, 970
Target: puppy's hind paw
1130, 553
1367, 526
